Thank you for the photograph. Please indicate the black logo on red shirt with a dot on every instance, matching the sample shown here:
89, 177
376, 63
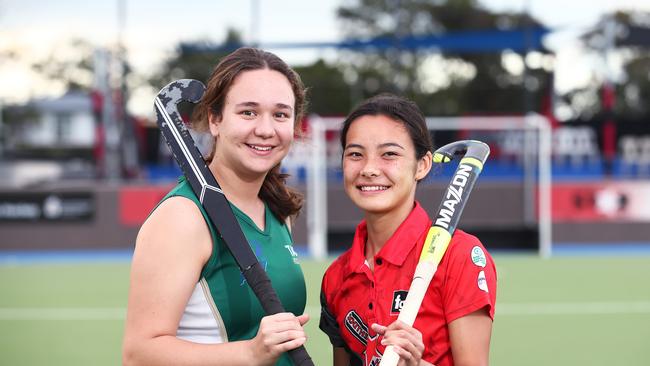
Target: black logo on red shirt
375, 361
398, 301
356, 326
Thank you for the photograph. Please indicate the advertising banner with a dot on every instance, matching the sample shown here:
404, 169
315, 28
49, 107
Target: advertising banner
616, 201
46, 206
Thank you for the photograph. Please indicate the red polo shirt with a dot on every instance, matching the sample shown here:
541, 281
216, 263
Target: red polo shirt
353, 297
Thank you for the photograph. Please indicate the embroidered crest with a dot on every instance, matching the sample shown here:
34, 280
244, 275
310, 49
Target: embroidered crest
355, 325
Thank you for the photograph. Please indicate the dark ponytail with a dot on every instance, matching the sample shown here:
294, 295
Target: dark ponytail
282, 200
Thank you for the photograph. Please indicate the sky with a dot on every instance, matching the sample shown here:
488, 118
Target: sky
35, 29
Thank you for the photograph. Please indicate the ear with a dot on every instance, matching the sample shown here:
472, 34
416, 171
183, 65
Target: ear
424, 166
214, 122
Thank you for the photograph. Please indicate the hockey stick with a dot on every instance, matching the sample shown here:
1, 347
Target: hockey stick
205, 186
439, 235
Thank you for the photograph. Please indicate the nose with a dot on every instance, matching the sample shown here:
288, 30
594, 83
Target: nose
265, 127
370, 169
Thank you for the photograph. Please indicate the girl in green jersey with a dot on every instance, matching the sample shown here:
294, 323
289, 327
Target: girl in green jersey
188, 303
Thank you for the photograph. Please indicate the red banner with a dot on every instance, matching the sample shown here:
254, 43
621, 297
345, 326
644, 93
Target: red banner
136, 202
601, 201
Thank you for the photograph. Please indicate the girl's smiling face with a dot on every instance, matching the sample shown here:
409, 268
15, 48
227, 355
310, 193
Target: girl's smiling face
255, 130
380, 168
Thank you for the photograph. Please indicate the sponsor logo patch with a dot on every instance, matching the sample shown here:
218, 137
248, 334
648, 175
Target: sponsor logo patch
398, 301
375, 361
293, 253
355, 325
482, 282
478, 257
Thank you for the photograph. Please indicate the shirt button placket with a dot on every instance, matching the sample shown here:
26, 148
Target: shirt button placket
373, 300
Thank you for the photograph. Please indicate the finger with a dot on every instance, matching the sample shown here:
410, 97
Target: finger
271, 320
278, 332
303, 319
401, 329
287, 320
398, 324
409, 351
277, 338
378, 328
394, 336
291, 344
280, 316
403, 354
405, 340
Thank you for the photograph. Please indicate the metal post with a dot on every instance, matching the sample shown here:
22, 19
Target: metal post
255, 23
2, 133
545, 223
317, 191
111, 163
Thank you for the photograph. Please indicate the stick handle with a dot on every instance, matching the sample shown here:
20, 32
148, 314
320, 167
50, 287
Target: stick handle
423, 274
434, 248
439, 235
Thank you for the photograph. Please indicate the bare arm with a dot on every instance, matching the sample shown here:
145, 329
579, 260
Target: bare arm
470, 338
171, 248
341, 357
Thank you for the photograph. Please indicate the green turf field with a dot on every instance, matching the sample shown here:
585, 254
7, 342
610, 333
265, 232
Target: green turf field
563, 311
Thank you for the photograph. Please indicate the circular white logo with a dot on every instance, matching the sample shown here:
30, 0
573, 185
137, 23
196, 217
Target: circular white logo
52, 207
478, 257
482, 281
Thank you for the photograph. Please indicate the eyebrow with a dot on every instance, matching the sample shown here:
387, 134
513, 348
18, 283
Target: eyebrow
255, 104
384, 145
283, 106
391, 144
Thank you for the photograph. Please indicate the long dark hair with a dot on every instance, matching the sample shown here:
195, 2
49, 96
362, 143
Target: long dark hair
399, 109
282, 200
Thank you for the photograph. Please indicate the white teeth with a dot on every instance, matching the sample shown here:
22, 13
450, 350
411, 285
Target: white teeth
373, 188
260, 148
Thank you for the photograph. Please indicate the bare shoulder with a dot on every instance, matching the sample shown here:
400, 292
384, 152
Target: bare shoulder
175, 209
176, 225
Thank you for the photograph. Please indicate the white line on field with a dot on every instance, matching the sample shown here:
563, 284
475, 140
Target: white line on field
506, 309
574, 308
561, 308
62, 313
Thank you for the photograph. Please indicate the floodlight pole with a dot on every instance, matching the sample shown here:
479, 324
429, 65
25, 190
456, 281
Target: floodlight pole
317, 190
2, 133
255, 23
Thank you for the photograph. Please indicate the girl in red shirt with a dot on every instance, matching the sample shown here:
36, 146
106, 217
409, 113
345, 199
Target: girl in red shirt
387, 150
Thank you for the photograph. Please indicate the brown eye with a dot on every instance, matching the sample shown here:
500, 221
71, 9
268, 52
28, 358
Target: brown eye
282, 115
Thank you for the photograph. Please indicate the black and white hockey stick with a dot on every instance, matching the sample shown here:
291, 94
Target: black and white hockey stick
474, 155
205, 186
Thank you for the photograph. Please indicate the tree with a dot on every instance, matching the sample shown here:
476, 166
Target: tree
71, 65
195, 59
442, 83
632, 88
635, 93
327, 92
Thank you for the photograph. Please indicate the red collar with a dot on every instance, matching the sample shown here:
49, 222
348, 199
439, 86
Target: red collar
400, 244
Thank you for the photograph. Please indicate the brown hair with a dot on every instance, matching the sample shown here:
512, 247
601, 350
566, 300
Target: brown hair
282, 200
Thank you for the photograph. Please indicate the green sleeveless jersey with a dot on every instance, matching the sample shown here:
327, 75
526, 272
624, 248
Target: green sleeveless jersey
223, 291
